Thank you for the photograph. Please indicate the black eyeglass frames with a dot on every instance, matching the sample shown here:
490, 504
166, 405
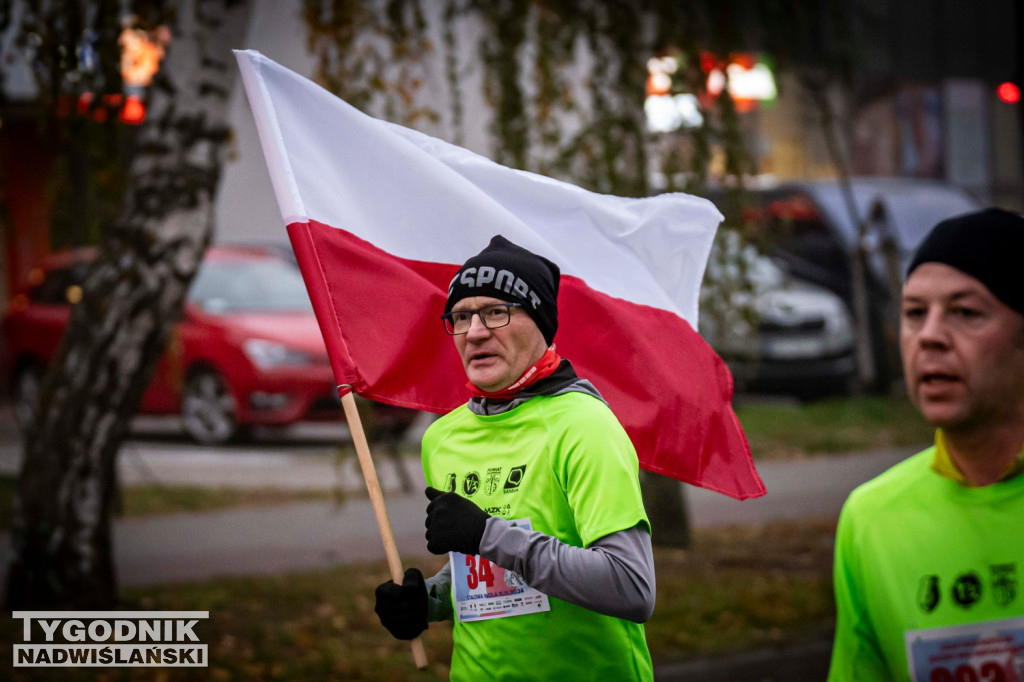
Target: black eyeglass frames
492, 316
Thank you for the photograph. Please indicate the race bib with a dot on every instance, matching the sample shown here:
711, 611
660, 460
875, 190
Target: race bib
485, 590
991, 651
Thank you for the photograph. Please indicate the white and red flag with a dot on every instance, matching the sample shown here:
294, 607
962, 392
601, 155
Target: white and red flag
381, 217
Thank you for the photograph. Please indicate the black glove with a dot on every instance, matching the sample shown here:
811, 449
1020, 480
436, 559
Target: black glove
454, 524
403, 608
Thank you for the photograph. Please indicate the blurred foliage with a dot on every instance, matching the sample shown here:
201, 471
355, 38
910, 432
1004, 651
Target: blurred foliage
552, 112
739, 589
87, 188
371, 53
72, 49
564, 83
71, 46
565, 80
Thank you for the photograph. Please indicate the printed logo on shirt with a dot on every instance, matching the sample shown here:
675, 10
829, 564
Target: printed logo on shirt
967, 589
514, 479
504, 510
928, 595
471, 484
449, 484
1004, 583
492, 480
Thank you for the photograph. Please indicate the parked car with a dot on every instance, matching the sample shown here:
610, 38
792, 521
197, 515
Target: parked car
247, 351
776, 332
808, 227
809, 224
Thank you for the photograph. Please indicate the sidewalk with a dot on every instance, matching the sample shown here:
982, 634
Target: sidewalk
194, 546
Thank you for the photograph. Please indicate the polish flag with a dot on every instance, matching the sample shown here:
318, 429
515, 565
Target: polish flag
380, 218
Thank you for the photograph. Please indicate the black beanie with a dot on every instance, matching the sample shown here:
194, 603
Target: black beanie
510, 273
987, 245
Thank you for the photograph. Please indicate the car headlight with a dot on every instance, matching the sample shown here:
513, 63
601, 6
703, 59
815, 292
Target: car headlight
269, 355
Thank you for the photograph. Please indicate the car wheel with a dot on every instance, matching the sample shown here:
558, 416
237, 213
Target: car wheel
208, 410
27, 383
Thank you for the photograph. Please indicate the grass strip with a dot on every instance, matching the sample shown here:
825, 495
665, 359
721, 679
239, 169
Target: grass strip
780, 430
154, 500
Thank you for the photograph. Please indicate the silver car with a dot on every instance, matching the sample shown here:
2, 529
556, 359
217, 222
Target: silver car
778, 333
810, 228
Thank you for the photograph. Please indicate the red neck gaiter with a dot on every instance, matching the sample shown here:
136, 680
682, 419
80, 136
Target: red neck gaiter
547, 364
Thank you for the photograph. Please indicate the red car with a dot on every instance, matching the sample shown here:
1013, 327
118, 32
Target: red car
247, 352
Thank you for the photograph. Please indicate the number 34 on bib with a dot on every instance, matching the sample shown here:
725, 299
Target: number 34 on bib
483, 590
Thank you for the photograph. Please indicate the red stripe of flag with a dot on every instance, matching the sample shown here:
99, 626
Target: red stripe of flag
669, 390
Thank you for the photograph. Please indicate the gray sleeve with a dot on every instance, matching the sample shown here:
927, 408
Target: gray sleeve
613, 576
439, 591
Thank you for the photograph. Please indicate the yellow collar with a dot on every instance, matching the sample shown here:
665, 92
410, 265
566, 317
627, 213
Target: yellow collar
943, 464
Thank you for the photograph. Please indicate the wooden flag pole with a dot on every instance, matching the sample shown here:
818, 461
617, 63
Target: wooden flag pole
355, 425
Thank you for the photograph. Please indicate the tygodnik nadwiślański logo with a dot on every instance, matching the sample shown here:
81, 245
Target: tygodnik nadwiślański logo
123, 639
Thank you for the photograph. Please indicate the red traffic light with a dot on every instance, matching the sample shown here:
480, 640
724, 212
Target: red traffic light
1008, 92
133, 112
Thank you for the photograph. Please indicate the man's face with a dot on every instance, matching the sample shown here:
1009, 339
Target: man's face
494, 358
963, 350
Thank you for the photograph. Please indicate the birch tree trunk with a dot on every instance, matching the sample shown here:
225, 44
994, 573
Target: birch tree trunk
61, 533
816, 85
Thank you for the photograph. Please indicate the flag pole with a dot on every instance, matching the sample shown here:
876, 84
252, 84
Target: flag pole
355, 426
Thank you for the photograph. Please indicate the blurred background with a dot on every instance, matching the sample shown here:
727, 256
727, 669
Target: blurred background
831, 135
155, 322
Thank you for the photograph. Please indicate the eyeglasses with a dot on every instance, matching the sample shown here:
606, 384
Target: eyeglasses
492, 316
